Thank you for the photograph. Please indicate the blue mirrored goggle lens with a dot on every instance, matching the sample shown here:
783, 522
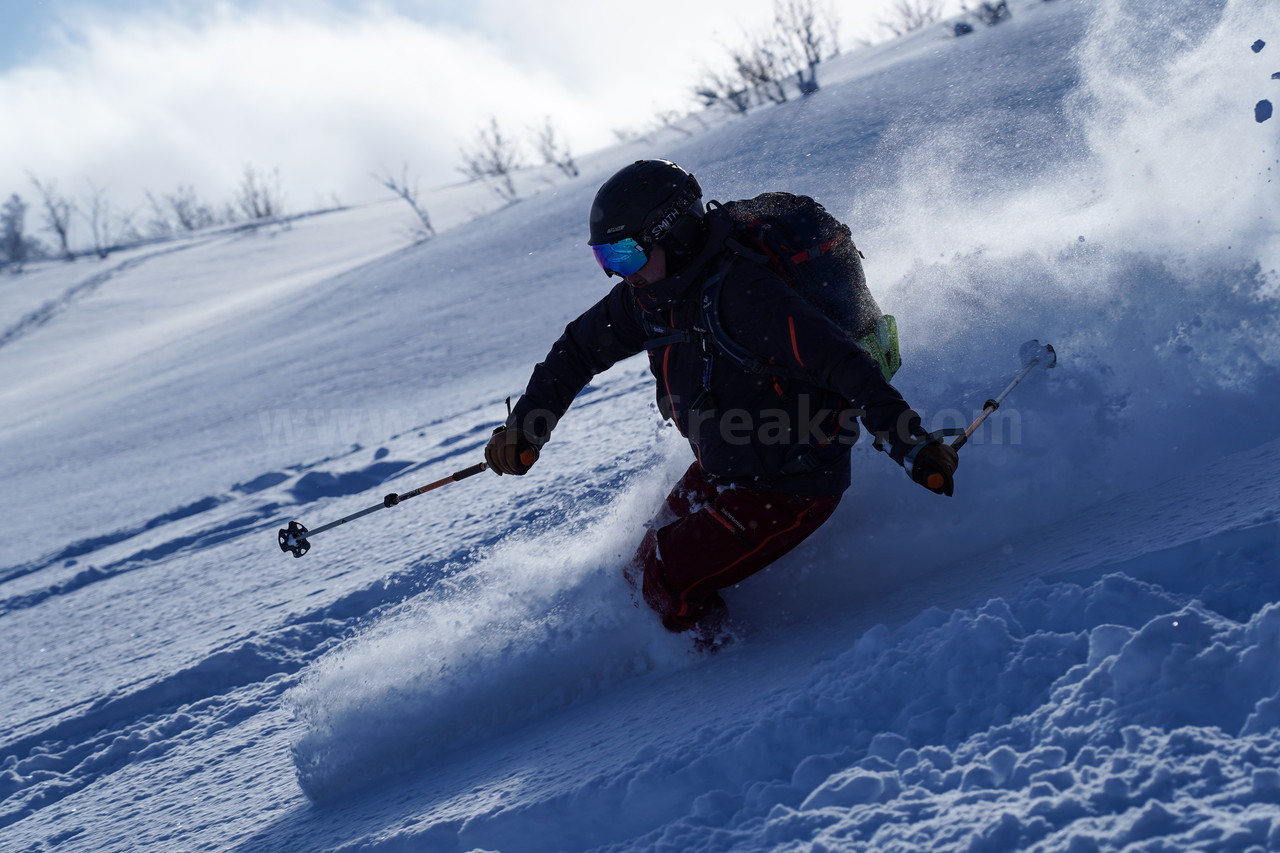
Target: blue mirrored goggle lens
624, 257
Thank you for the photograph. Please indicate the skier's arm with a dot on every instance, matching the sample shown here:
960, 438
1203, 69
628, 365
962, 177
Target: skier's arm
605, 334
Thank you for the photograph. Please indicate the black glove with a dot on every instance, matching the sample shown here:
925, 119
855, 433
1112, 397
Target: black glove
510, 451
934, 467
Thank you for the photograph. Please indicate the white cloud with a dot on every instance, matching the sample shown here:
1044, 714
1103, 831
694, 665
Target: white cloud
152, 101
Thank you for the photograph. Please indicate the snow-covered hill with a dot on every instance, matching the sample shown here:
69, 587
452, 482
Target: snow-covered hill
1077, 652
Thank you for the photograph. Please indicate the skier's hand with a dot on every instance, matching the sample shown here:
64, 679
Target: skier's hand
510, 451
934, 468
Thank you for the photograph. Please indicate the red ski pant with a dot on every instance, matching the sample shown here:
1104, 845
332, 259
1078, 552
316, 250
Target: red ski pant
709, 537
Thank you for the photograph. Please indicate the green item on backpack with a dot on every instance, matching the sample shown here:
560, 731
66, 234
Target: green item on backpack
882, 345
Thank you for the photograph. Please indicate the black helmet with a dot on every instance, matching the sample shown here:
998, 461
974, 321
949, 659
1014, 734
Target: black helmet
644, 201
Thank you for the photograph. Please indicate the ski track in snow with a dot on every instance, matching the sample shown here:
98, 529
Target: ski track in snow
1078, 653
72, 748
43, 315
47, 312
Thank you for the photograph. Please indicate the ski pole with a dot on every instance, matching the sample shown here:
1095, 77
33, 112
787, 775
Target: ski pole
294, 539
1034, 353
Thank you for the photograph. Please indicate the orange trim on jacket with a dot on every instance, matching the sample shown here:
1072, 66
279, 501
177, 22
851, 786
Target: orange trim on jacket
795, 347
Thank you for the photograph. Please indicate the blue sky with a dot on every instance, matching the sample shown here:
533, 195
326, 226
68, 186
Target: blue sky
22, 30
144, 95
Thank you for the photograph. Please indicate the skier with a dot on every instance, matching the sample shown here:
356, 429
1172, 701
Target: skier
771, 454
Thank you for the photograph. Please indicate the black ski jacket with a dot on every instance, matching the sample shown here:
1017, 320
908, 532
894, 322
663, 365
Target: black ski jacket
764, 431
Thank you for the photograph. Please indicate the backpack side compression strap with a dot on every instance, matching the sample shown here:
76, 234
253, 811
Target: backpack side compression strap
881, 344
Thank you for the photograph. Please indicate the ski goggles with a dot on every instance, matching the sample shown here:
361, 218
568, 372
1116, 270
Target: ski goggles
625, 257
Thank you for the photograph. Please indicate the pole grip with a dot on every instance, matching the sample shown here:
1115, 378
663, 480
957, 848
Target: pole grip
471, 472
452, 478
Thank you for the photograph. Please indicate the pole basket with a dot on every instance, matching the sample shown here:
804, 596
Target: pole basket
1042, 354
293, 539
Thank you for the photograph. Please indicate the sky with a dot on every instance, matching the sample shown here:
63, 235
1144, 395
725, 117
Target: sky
137, 95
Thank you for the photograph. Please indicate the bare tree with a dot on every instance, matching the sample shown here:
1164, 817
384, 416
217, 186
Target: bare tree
188, 210
990, 13
108, 228
407, 188
810, 35
158, 223
671, 118
15, 248
763, 64
58, 210
97, 212
725, 89
260, 195
803, 34
831, 22
552, 150
905, 16
492, 157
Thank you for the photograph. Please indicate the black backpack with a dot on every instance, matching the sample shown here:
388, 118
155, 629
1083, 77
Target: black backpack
814, 253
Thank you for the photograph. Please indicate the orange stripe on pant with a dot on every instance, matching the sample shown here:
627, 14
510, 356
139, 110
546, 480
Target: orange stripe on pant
709, 538
684, 597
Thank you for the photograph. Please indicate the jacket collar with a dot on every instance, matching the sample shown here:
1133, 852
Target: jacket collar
673, 289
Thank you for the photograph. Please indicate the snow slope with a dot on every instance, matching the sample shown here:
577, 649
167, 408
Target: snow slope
1077, 652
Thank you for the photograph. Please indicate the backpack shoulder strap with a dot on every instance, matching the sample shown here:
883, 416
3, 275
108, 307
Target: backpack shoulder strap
664, 337
659, 335
744, 358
